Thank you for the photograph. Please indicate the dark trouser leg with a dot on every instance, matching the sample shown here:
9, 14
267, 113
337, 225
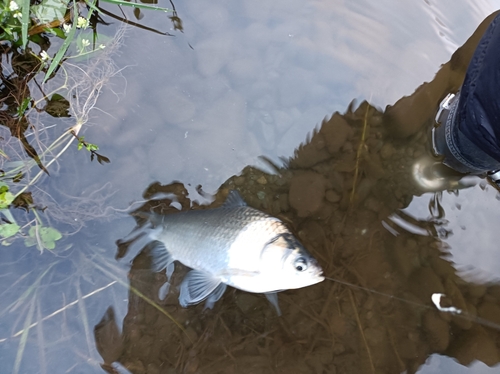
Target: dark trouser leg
469, 132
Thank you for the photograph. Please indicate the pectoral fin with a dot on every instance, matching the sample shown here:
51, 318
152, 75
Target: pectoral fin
197, 286
215, 296
273, 299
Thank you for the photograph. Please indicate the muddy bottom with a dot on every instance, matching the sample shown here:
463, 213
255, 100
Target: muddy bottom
336, 195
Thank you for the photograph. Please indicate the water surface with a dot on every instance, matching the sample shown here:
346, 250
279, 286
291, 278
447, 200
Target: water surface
251, 79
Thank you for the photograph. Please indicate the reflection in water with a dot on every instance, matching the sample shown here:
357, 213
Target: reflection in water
43, 329
342, 194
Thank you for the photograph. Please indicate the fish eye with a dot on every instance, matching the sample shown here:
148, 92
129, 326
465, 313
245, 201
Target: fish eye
300, 264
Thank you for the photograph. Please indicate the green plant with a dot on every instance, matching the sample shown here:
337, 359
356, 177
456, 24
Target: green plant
92, 148
82, 62
43, 237
21, 22
81, 84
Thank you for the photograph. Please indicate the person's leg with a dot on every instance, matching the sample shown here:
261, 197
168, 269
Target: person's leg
468, 131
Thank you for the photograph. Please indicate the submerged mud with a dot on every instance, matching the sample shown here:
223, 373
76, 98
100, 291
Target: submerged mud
337, 194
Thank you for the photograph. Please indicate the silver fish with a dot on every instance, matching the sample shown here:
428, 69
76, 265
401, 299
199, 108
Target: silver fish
233, 245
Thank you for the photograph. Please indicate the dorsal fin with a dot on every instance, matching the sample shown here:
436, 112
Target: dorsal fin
233, 200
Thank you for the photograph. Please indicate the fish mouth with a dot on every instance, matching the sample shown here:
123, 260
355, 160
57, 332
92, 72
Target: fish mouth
318, 279
319, 274
317, 270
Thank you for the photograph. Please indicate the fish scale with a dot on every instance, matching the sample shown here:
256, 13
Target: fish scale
208, 232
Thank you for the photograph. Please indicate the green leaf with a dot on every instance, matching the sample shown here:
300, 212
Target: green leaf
6, 197
47, 236
56, 31
24, 105
50, 10
30, 241
91, 4
8, 229
80, 145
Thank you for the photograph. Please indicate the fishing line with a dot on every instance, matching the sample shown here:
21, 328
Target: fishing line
436, 300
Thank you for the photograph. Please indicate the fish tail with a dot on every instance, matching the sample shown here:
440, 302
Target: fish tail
155, 219
151, 228
160, 257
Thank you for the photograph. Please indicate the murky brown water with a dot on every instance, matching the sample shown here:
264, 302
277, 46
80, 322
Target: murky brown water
245, 80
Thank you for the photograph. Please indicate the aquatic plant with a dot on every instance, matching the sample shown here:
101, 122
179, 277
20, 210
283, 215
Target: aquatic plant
33, 145
83, 64
22, 21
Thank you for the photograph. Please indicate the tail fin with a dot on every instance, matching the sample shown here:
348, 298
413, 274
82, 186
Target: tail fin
160, 257
152, 217
144, 232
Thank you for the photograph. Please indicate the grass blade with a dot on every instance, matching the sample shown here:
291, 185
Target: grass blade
142, 296
64, 47
12, 307
135, 5
25, 20
24, 336
84, 318
93, 8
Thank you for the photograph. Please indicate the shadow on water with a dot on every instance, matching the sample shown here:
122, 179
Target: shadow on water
343, 194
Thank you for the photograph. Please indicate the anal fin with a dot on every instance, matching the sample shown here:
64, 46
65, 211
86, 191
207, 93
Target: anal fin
163, 291
215, 296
